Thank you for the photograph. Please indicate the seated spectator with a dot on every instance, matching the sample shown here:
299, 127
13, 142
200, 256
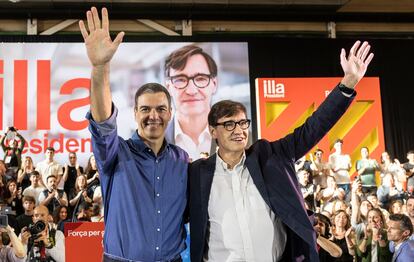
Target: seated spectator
25, 219
35, 187
23, 175
13, 197
399, 231
388, 192
60, 217
410, 210
13, 253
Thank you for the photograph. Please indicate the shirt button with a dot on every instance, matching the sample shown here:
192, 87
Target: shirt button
158, 195
159, 211
158, 229
156, 161
157, 248
158, 178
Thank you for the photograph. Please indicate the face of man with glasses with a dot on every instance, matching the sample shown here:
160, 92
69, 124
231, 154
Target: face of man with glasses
231, 133
192, 87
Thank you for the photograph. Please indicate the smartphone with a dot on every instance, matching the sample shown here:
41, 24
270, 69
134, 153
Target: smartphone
4, 220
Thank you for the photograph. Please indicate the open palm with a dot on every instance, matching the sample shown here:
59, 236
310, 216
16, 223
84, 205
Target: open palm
356, 64
99, 45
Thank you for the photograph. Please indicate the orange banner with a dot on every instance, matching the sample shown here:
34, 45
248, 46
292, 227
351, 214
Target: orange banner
285, 103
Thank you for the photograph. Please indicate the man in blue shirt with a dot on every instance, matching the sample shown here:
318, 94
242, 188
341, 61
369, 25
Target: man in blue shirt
143, 179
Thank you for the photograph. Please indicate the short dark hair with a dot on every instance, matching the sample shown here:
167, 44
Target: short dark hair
50, 149
30, 199
178, 59
47, 179
405, 222
410, 152
318, 150
34, 173
339, 141
224, 108
84, 206
152, 88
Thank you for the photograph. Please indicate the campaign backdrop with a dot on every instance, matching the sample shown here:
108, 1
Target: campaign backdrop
285, 103
44, 88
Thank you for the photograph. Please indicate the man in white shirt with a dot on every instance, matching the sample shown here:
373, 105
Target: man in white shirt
50, 167
245, 205
35, 188
340, 165
191, 80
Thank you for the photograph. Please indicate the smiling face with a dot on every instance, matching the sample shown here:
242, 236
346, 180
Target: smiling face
152, 115
233, 141
192, 100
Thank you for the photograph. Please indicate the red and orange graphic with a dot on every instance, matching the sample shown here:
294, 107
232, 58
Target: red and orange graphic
285, 103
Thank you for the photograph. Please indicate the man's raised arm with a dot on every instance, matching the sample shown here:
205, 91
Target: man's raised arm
100, 49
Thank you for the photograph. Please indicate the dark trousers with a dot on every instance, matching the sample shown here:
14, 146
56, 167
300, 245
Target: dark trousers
105, 258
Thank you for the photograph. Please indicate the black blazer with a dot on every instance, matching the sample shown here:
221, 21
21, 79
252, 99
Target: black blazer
271, 166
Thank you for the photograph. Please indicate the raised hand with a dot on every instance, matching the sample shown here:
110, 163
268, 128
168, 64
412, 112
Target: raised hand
356, 64
99, 45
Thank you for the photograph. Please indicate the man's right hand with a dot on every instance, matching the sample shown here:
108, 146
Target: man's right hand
99, 45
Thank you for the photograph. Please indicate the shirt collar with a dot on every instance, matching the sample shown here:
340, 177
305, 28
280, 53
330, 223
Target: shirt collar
179, 132
223, 165
141, 146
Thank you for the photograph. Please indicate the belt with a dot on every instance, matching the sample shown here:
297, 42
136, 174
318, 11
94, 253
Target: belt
108, 258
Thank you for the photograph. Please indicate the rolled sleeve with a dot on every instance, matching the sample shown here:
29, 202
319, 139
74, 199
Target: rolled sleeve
105, 127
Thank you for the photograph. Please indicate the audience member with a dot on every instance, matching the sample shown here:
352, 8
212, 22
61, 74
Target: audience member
49, 167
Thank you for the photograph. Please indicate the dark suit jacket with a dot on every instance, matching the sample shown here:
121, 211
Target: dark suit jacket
271, 166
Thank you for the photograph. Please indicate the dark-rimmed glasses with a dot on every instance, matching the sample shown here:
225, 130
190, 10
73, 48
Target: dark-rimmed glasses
199, 80
231, 125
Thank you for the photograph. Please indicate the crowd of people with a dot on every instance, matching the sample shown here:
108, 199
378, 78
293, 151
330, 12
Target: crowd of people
356, 219
47, 191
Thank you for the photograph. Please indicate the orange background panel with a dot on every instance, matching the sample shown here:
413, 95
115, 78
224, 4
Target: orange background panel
287, 102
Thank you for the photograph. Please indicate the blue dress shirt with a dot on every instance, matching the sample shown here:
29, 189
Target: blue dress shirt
144, 195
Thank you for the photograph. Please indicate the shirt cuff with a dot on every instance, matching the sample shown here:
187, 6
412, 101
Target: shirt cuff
105, 127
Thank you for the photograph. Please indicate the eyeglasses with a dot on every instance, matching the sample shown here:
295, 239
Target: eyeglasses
231, 125
199, 80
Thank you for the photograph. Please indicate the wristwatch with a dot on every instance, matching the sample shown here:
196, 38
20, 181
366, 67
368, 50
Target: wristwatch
345, 89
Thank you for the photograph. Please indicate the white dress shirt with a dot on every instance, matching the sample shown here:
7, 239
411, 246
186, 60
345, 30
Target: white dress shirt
185, 142
242, 227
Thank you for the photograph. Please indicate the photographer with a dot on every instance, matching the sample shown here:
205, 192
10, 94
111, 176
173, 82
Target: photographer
14, 253
46, 245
